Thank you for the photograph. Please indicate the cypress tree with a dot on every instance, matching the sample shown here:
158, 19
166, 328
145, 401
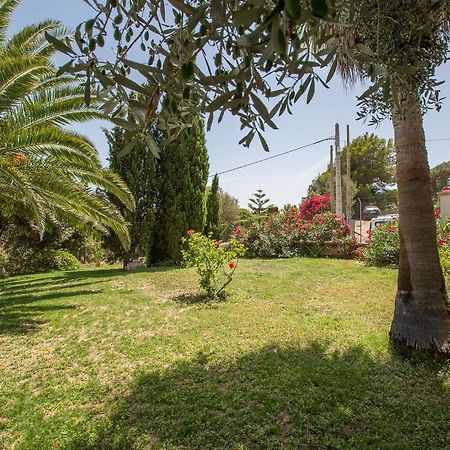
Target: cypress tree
213, 222
183, 174
138, 170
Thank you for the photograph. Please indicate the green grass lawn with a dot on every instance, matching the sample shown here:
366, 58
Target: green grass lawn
296, 358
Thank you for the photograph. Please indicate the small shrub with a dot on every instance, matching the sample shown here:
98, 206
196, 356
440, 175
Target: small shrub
51, 259
215, 263
383, 248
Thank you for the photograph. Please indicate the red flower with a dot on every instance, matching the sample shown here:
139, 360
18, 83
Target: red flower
442, 242
361, 255
190, 232
237, 232
232, 265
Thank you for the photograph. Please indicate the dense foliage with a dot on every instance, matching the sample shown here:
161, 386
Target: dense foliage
20, 245
289, 234
229, 213
383, 247
183, 174
314, 205
51, 259
213, 225
215, 262
439, 176
139, 171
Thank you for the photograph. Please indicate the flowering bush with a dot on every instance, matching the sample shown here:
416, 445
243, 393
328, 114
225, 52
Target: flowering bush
383, 248
289, 234
315, 205
215, 262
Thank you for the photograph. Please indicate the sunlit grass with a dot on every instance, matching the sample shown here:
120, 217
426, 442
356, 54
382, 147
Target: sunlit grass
297, 357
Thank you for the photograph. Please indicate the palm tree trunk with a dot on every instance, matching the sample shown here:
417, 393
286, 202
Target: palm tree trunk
422, 313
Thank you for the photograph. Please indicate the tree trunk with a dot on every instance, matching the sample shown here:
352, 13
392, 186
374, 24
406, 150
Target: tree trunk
422, 314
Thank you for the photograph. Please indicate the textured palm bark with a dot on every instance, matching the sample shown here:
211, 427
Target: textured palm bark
422, 314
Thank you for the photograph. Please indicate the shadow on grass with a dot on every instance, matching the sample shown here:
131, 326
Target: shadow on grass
282, 398
26, 320
110, 272
20, 314
17, 293
192, 298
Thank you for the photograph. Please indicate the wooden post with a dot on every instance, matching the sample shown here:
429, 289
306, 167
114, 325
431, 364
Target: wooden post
348, 195
331, 180
338, 172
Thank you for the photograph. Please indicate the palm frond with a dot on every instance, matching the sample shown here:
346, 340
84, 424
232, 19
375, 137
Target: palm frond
47, 172
6, 9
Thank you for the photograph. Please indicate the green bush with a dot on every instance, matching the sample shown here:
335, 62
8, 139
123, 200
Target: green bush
51, 259
444, 255
383, 249
215, 263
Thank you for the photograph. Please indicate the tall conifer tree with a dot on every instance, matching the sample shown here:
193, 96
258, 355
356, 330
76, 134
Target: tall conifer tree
183, 174
138, 170
213, 222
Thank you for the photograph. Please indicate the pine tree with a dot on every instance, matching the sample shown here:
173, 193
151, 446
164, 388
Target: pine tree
258, 201
138, 170
183, 173
213, 222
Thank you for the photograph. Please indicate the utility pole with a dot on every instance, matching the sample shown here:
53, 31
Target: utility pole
348, 195
331, 180
338, 171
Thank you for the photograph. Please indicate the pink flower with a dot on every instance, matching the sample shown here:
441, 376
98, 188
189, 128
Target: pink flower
190, 232
237, 232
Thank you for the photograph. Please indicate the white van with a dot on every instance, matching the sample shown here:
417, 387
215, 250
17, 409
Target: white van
382, 219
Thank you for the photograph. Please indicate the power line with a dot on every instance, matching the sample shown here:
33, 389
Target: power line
274, 156
331, 138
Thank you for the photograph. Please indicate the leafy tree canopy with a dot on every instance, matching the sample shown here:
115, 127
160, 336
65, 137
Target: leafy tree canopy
439, 176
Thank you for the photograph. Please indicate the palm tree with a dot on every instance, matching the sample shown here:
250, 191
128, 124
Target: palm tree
48, 173
404, 42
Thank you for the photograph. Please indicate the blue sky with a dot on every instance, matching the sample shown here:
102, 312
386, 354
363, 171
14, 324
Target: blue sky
285, 179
